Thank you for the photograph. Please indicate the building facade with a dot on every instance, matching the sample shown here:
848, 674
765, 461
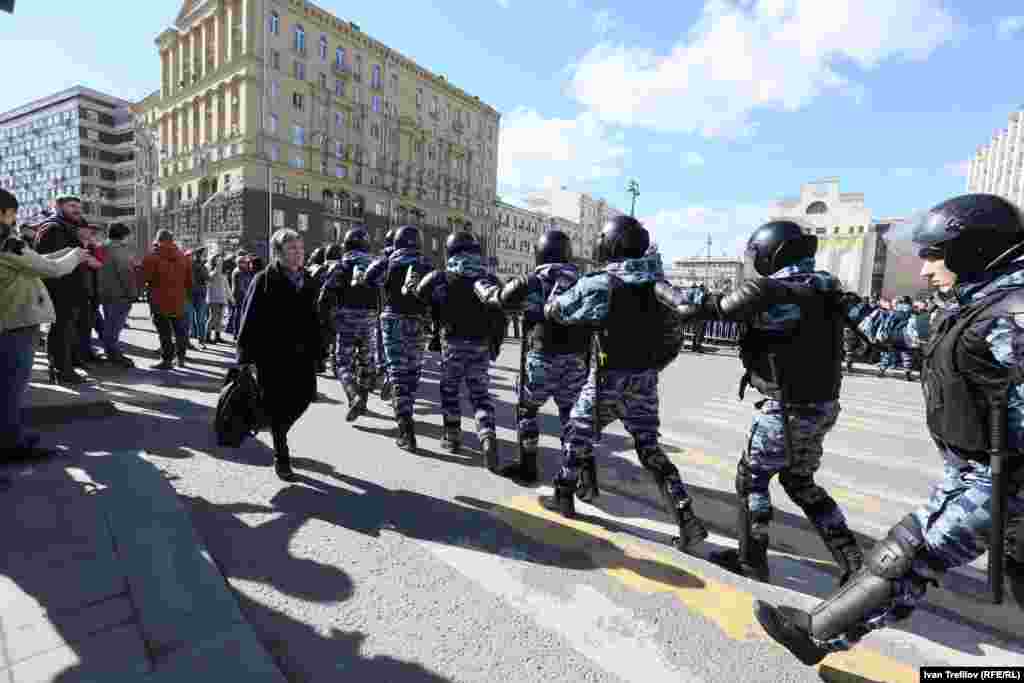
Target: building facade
718, 274
517, 232
580, 209
276, 113
78, 141
847, 239
998, 166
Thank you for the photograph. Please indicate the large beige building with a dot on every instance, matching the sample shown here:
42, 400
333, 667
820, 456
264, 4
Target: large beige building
846, 238
517, 232
997, 167
352, 131
720, 274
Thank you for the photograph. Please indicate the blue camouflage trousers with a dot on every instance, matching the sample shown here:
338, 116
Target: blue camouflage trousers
630, 396
957, 525
895, 359
466, 360
357, 345
766, 456
558, 376
403, 352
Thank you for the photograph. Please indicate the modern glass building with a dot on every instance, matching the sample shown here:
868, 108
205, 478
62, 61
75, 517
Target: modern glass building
78, 141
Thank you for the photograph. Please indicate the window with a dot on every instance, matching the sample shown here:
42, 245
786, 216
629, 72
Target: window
376, 104
394, 83
323, 81
419, 98
279, 186
278, 218
304, 191
339, 149
300, 70
275, 153
323, 48
339, 88
275, 88
298, 135
340, 171
339, 120
379, 209
375, 76
297, 101
297, 161
272, 123
227, 180
300, 38
339, 56
275, 60
275, 24
303, 222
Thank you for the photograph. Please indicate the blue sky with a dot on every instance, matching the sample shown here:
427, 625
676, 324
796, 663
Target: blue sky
717, 108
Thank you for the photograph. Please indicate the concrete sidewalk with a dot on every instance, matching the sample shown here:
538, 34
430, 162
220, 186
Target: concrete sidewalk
104, 579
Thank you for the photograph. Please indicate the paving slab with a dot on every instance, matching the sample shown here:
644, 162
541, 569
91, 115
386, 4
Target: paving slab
233, 654
117, 651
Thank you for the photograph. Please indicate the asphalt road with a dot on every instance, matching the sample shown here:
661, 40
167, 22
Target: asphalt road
383, 565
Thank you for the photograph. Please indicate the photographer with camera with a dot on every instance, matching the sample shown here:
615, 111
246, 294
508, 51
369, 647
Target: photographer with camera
24, 305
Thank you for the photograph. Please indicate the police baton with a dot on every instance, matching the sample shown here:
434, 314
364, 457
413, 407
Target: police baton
998, 452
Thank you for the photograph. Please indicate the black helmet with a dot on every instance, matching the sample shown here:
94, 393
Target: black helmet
461, 243
554, 246
974, 233
778, 244
622, 237
356, 239
317, 257
333, 252
905, 300
407, 237
389, 239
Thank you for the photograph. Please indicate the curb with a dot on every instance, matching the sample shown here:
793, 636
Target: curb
959, 598
189, 618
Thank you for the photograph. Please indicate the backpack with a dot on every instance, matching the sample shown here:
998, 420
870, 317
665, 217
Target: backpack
240, 411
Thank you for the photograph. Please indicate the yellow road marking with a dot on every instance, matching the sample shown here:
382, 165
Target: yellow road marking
650, 571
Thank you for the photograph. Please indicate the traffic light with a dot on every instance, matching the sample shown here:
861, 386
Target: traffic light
7, 6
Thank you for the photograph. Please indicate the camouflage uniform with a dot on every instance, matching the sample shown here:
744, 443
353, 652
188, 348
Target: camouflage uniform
956, 521
619, 394
357, 329
901, 358
464, 357
402, 332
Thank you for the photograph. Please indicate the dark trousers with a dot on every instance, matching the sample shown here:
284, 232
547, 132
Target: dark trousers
173, 331
698, 335
89, 318
289, 388
17, 348
62, 341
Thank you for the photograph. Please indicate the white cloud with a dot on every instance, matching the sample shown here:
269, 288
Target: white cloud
958, 168
683, 232
605, 21
1009, 25
693, 159
779, 54
535, 151
503, 3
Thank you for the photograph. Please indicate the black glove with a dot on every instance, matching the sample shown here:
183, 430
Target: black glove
424, 290
435, 344
12, 245
514, 293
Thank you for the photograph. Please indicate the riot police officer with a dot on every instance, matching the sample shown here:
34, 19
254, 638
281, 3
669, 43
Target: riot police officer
332, 258
637, 335
972, 369
554, 357
792, 352
354, 308
402, 324
468, 324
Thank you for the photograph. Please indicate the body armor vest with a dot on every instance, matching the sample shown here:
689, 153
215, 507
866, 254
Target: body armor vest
808, 359
394, 300
640, 332
362, 297
462, 313
550, 337
959, 375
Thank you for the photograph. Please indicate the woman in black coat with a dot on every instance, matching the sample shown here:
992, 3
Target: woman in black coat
280, 334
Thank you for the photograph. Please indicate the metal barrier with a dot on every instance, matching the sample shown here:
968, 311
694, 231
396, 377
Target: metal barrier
721, 332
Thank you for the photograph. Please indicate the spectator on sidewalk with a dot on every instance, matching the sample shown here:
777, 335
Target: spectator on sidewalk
200, 282
68, 293
280, 333
118, 290
169, 275
240, 280
218, 296
25, 304
91, 319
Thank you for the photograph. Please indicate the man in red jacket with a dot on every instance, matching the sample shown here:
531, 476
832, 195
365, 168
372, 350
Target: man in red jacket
168, 273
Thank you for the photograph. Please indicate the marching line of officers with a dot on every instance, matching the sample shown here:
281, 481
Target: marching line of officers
596, 344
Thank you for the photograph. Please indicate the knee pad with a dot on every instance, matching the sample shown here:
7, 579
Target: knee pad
893, 557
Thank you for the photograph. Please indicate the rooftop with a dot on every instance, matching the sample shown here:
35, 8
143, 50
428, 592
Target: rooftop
62, 96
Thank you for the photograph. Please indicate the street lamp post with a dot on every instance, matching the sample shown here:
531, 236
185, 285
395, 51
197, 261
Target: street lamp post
634, 189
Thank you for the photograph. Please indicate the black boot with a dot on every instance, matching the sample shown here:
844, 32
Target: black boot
283, 459
451, 439
588, 491
489, 446
750, 558
385, 391
357, 406
845, 551
562, 502
406, 435
525, 470
691, 530
909, 376
789, 627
